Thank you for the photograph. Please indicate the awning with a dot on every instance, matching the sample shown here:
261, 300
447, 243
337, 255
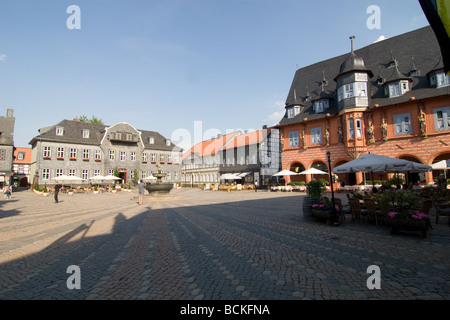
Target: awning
230, 176
244, 174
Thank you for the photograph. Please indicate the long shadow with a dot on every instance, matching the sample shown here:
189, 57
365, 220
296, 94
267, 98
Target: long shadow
215, 250
8, 213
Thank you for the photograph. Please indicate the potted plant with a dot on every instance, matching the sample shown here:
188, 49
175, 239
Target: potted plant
314, 190
45, 190
95, 190
70, 191
403, 214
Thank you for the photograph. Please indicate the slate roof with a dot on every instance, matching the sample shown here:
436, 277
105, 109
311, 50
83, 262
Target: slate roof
73, 133
417, 50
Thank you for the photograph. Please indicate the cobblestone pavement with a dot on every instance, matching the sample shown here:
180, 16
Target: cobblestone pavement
204, 245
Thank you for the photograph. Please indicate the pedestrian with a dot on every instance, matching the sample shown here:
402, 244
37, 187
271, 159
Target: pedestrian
256, 186
141, 186
442, 182
57, 188
8, 192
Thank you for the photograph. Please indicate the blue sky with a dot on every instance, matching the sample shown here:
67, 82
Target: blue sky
164, 65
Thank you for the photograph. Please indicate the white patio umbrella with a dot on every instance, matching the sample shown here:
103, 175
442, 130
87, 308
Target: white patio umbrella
149, 178
69, 179
313, 171
230, 176
96, 179
380, 164
441, 165
284, 173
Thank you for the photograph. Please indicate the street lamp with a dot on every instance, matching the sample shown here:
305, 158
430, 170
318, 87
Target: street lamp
332, 189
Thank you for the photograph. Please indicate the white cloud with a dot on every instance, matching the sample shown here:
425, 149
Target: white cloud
380, 38
279, 114
2, 57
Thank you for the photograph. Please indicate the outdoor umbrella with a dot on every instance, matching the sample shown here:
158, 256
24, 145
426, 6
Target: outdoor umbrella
111, 178
285, 173
64, 178
149, 178
97, 179
441, 165
230, 176
380, 164
313, 171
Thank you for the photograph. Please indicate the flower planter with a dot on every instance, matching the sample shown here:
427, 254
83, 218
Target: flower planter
323, 215
399, 224
70, 193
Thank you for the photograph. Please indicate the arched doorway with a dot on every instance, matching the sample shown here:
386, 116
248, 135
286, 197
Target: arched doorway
437, 173
413, 177
297, 167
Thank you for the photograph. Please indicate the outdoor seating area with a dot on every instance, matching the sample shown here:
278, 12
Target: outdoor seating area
399, 210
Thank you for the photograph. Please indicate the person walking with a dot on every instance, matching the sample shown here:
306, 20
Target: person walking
8, 192
141, 186
256, 186
57, 188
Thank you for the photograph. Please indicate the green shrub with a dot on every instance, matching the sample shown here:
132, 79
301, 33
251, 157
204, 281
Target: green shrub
315, 189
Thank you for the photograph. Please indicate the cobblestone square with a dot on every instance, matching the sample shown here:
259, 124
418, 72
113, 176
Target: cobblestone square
208, 245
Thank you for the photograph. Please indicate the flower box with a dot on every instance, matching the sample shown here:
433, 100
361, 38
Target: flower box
398, 224
169, 162
85, 159
60, 158
73, 159
47, 158
153, 162
144, 161
97, 160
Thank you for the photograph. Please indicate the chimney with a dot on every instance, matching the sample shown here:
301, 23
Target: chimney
76, 119
10, 113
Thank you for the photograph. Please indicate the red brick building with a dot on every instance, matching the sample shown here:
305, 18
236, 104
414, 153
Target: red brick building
391, 98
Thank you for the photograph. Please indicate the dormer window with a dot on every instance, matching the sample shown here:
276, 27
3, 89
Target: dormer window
355, 89
151, 140
396, 89
59, 131
321, 105
439, 79
293, 111
86, 134
168, 142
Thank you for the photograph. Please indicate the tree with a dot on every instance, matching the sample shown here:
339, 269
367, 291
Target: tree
94, 119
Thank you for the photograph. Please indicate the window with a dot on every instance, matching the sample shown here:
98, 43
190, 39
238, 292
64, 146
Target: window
123, 156
118, 135
47, 152
169, 158
394, 90
111, 172
98, 155
321, 105
86, 154
441, 80
129, 137
60, 153
316, 135
351, 129
133, 156
85, 133
73, 153
402, 124
355, 89
143, 174
442, 118
151, 140
112, 155
59, 131
21, 156
2, 154
84, 174
168, 142
358, 128
153, 157
59, 172
290, 112
72, 172
145, 157
161, 158
45, 174
96, 172
293, 139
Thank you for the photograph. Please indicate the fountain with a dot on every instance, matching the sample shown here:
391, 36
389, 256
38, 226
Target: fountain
159, 187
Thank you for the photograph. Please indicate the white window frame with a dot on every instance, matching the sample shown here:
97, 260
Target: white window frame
85, 174
60, 152
316, 135
394, 89
85, 153
145, 156
112, 155
123, 155
442, 80
154, 157
133, 155
58, 172
73, 153
290, 112
98, 155
293, 139
59, 131
85, 134
444, 122
45, 174
72, 172
47, 152
401, 125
